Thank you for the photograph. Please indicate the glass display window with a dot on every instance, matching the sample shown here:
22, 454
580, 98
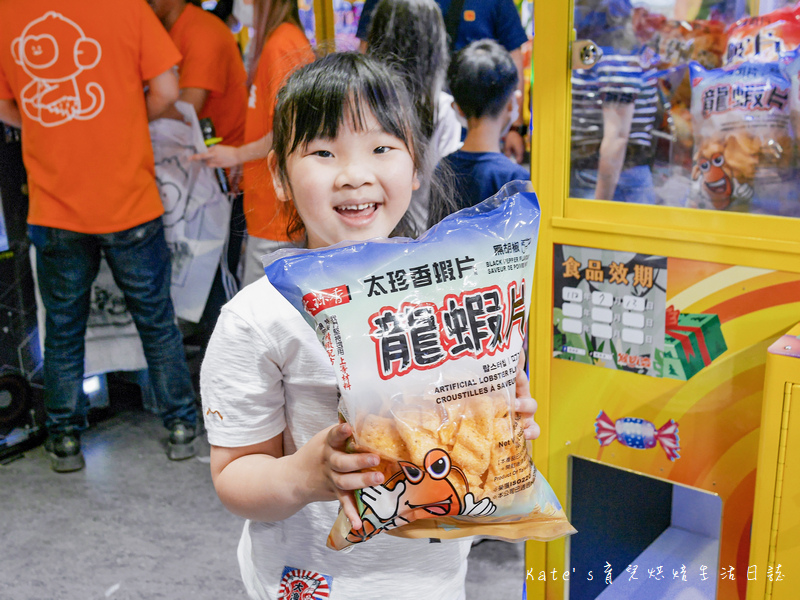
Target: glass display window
345, 17
688, 104
306, 11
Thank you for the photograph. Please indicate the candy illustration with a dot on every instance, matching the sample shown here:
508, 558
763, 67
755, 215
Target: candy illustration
638, 433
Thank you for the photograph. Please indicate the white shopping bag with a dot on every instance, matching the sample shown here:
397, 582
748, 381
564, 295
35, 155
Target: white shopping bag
196, 212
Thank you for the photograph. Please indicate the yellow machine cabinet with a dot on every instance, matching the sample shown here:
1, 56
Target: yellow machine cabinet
653, 313
775, 546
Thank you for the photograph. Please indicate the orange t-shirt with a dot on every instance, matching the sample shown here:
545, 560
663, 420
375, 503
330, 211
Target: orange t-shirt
211, 61
284, 51
75, 69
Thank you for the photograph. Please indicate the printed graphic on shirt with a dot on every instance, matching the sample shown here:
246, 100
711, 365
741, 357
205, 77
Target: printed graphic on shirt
251, 100
54, 51
301, 584
214, 412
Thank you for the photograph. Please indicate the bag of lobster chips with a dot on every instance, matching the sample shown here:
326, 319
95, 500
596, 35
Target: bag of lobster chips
425, 337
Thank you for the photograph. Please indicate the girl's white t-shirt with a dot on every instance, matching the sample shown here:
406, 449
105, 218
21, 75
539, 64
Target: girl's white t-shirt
264, 373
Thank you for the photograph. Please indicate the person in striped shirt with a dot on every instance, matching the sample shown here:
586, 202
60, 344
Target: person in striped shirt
614, 109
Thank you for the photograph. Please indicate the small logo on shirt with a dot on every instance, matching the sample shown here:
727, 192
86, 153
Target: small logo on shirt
319, 300
469, 15
214, 412
251, 100
300, 584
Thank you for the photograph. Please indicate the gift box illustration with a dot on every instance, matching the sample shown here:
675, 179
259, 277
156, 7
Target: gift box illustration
691, 342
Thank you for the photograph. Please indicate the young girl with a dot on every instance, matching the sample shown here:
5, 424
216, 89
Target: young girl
410, 35
347, 153
278, 47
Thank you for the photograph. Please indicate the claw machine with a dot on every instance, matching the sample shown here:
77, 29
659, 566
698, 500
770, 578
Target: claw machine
21, 380
331, 25
665, 158
775, 549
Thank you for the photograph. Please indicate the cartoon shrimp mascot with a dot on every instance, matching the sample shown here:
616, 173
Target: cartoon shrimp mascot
723, 170
421, 493
54, 51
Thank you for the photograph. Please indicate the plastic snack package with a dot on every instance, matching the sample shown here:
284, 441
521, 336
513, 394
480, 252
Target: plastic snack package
676, 44
743, 139
680, 42
646, 24
790, 63
425, 337
763, 38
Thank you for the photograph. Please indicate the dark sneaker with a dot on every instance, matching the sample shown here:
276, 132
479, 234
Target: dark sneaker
181, 442
65, 452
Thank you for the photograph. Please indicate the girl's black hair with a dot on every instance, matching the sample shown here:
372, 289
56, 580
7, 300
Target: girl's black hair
410, 35
318, 97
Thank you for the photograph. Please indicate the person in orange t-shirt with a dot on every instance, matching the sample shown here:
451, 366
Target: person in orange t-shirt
72, 77
212, 78
278, 48
211, 73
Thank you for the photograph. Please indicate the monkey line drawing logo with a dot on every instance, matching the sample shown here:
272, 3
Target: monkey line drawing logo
54, 51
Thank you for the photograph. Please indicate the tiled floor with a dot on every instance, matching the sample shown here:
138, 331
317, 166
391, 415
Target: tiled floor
134, 525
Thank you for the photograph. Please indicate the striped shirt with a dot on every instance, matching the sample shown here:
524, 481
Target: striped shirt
615, 78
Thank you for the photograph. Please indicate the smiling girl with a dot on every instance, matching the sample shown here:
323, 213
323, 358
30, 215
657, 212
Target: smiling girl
346, 155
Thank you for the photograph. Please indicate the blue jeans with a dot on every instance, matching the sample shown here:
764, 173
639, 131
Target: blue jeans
66, 265
635, 185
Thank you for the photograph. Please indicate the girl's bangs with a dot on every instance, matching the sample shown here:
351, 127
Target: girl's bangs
352, 94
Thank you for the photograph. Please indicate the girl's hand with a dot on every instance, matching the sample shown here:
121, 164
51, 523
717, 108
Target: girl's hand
526, 406
219, 156
341, 470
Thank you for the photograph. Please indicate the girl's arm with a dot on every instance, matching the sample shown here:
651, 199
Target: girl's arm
258, 482
197, 97
9, 112
230, 156
162, 91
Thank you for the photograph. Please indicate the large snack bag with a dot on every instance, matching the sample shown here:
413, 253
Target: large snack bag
764, 38
790, 64
676, 44
743, 139
680, 42
646, 24
425, 336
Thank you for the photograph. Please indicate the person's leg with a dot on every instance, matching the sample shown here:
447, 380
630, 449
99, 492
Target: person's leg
140, 263
237, 229
217, 297
66, 265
